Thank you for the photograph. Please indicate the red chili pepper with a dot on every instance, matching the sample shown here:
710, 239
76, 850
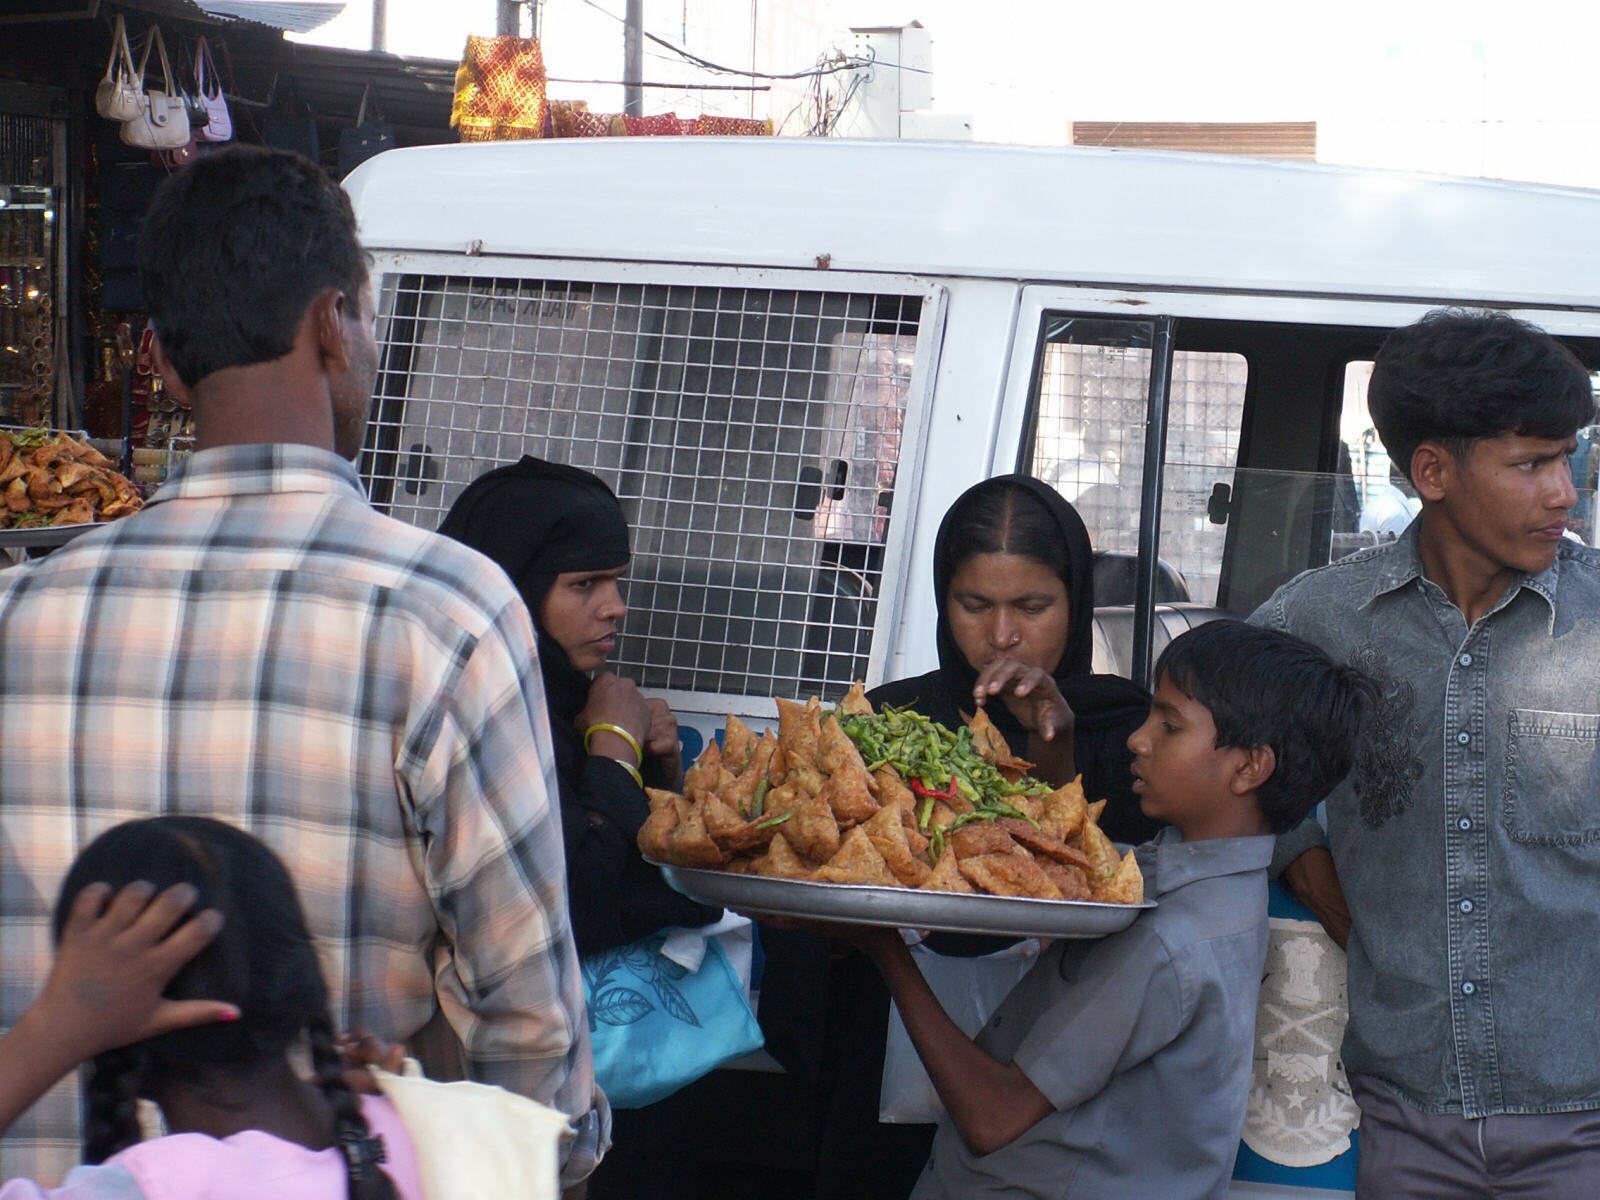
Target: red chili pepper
948, 794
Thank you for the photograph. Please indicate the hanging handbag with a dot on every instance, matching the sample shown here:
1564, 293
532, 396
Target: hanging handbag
182, 156
199, 118
162, 122
120, 96
290, 124
657, 1024
360, 143
208, 89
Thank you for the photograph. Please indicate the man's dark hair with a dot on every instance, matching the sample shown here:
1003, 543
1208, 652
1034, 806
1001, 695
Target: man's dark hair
1457, 376
1268, 688
234, 249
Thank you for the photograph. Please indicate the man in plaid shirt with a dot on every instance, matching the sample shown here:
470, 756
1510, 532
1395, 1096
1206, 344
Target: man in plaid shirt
259, 646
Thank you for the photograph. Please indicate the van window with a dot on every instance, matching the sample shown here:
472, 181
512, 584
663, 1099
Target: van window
751, 434
1088, 443
1381, 501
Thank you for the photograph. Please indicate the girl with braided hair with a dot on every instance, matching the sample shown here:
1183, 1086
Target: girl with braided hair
200, 999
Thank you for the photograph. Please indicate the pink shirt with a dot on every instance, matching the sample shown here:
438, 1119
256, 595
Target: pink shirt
245, 1166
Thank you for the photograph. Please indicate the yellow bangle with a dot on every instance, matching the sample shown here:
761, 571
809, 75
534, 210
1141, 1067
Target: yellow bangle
638, 750
630, 769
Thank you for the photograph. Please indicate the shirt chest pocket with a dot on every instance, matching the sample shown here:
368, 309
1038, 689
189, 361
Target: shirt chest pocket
1552, 788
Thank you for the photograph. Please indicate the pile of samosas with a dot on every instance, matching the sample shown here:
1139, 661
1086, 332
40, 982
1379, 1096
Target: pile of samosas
58, 480
805, 805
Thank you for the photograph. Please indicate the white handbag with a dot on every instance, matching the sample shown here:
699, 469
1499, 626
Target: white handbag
209, 86
120, 96
162, 122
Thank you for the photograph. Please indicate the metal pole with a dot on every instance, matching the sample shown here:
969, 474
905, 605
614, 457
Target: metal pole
633, 58
380, 25
508, 18
1155, 456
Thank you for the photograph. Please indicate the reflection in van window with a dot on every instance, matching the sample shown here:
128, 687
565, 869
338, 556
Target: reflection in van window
1383, 502
1089, 444
752, 436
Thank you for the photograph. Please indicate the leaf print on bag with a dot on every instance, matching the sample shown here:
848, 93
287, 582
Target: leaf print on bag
619, 1006
641, 956
597, 968
1387, 765
674, 1005
616, 1003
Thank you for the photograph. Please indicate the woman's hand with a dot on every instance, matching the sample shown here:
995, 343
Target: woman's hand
661, 743
117, 954
361, 1051
1031, 695
614, 700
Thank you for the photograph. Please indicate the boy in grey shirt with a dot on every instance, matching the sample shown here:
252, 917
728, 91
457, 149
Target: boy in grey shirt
1121, 1066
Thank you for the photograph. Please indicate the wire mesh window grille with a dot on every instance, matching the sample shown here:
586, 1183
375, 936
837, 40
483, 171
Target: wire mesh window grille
1088, 444
752, 436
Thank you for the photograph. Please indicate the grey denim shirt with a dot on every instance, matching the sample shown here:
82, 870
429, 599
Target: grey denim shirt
1467, 837
1141, 1040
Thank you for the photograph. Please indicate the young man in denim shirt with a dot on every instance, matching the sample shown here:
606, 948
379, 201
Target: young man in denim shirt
1461, 858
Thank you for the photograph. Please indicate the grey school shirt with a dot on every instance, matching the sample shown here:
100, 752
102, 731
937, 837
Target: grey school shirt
1467, 837
1142, 1041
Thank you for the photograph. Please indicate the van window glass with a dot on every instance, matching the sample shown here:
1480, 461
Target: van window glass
1088, 443
751, 434
1383, 500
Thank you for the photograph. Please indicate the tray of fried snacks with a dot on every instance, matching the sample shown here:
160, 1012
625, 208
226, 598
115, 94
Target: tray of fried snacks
889, 819
53, 486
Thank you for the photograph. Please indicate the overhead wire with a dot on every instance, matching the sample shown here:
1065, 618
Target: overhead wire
824, 67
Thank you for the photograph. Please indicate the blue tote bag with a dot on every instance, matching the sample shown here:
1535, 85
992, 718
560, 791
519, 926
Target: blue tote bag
656, 1026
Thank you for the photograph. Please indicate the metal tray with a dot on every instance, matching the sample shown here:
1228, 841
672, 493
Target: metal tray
46, 535
906, 908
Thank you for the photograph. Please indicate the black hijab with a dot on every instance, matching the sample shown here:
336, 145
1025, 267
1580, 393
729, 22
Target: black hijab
1099, 702
539, 520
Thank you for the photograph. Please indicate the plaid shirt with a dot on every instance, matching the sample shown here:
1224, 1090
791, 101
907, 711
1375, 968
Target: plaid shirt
259, 646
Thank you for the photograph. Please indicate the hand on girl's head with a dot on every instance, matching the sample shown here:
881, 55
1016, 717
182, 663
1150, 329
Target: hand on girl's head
116, 954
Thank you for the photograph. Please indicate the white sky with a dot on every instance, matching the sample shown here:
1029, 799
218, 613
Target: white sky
1462, 86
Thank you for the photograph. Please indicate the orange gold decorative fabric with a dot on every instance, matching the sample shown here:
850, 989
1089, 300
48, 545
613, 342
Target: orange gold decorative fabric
500, 90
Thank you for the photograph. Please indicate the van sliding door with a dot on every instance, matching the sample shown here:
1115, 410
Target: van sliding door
758, 431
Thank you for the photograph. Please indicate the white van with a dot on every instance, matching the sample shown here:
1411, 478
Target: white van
789, 356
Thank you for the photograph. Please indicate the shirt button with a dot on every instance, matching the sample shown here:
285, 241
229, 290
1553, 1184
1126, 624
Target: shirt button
1465, 906
1468, 988
1465, 660
1463, 737
1464, 823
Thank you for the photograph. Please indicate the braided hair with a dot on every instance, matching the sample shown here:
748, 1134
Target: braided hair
263, 962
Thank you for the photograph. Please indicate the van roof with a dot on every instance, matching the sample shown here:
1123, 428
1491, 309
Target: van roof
1113, 218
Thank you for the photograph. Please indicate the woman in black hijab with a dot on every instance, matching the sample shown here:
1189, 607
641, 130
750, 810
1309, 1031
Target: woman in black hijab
1014, 580
1013, 573
560, 535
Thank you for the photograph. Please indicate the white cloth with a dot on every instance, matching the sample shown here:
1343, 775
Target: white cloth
473, 1140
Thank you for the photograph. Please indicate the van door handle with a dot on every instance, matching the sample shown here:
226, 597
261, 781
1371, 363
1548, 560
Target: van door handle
420, 470
807, 493
841, 473
1218, 505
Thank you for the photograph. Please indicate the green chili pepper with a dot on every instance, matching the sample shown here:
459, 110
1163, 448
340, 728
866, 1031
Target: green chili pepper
771, 821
